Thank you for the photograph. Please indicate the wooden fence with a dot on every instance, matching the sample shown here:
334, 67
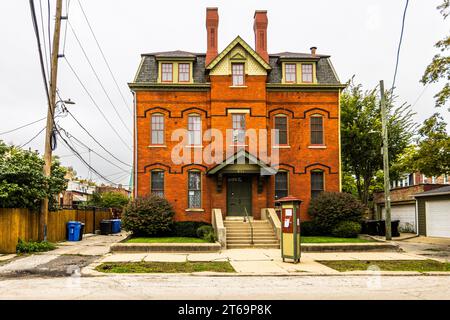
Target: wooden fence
23, 224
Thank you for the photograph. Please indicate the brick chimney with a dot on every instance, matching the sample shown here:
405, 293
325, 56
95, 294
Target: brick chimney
260, 28
212, 24
313, 50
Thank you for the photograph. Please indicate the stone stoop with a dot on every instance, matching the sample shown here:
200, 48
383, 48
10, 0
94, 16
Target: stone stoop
239, 234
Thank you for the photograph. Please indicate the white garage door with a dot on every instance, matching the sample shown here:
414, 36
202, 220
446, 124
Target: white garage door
406, 214
438, 218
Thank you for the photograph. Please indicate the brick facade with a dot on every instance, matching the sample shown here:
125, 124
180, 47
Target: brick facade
215, 101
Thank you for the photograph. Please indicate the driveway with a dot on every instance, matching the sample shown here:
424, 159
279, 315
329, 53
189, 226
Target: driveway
433, 248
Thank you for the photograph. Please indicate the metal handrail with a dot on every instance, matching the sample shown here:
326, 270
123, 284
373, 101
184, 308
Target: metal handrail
251, 224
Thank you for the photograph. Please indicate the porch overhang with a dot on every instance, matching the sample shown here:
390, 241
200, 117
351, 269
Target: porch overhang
242, 162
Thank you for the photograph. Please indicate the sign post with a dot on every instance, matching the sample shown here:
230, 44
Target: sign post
290, 228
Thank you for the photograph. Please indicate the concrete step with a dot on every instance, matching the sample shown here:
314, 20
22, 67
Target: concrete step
258, 246
248, 234
248, 229
254, 242
245, 237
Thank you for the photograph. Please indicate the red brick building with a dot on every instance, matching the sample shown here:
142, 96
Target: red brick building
278, 115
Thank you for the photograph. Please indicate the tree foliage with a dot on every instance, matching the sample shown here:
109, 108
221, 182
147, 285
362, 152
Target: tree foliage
431, 155
439, 68
22, 181
112, 200
361, 134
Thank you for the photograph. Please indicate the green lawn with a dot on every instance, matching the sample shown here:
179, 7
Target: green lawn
164, 267
167, 240
388, 265
332, 240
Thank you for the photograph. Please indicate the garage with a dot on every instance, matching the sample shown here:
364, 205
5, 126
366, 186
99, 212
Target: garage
406, 214
438, 218
434, 212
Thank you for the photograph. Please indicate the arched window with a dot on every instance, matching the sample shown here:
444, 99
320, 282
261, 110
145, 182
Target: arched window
194, 189
157, 182
194, 129
157, 128
281, 124
316, 127
317, 183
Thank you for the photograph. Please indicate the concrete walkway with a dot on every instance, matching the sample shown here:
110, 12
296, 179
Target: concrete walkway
257, 261
91, 246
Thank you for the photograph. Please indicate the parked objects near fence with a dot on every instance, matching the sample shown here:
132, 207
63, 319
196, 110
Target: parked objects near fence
378, 227
116, 225
24, 224
106, 227
73, 230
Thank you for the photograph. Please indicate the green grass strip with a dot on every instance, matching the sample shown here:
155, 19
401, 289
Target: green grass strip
387, 265
164, 267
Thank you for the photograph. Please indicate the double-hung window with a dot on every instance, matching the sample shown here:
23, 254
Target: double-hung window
239, 128
166, 72
307, 73
281, 185
194, 189
237, 71
183, 72
290, 72
281, 133
157, 129
194, 130
317, 130
157, 183
317, 183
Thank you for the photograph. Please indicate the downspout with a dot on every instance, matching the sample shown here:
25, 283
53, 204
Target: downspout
339, 138
135, 158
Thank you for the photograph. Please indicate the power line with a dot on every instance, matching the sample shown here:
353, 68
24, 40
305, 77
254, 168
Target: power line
96, 141
96, 105
25, 125
43, 38
65, 29
399, 45
98, 78
104, 59
69, 136
34, 137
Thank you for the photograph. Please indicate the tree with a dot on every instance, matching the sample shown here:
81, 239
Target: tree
431, 156
22, 182
112, 200
361, 134
439, 68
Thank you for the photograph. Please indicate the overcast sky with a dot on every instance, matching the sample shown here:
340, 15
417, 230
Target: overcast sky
360, 35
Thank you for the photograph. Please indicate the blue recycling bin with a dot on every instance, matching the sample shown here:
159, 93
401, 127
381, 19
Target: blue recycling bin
73, 230
116, 225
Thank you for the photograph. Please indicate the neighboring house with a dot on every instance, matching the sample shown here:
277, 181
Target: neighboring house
433, 212
232, 91
77, 192
416, 178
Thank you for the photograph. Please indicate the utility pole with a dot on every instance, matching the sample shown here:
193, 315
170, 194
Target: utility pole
385, 152
43, 218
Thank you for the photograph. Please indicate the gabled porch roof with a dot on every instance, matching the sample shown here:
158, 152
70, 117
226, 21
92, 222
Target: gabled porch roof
243, 162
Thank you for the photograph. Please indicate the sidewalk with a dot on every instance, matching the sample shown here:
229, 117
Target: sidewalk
256, 261
68, 255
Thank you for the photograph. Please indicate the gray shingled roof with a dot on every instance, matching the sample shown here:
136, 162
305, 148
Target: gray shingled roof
433, 192
148, 72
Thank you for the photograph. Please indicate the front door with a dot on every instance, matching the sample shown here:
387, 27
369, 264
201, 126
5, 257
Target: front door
239, 195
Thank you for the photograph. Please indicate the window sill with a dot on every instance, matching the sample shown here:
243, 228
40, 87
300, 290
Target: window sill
317, 147
157, 146
194, 210
281, 147
238, 87
194, 147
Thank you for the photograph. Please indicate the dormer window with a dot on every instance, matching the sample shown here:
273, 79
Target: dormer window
237, 71
307, 72
167, 72
290, 72
183, 72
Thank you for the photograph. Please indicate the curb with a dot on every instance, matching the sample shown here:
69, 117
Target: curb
350, 247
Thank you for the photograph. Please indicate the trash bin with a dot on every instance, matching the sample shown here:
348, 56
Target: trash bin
394, 228
116, 225
372, 227
81, 231
364, 228
73, 230
105, 227
381, 228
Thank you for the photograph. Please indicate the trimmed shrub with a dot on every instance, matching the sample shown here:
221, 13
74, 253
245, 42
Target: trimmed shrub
148, 216
347, 229
34, 246
204, 230
187, 228
330, 208
309, 228
210, 237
